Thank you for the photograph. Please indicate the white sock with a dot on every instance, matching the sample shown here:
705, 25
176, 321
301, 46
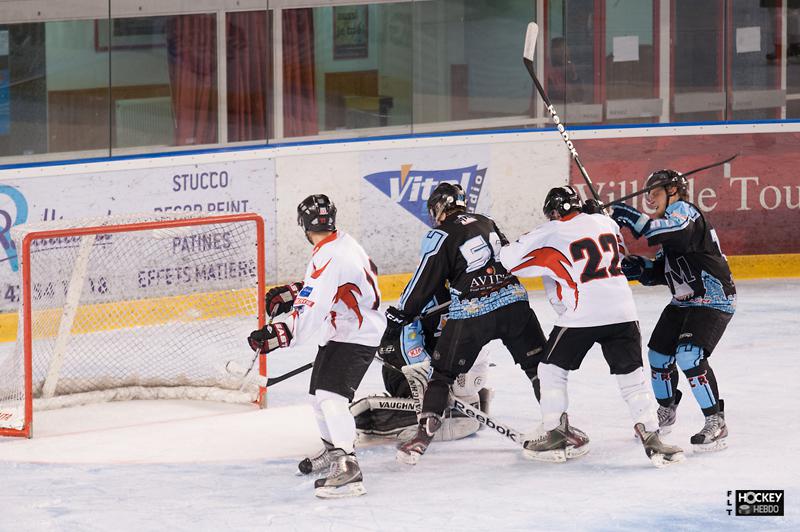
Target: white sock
554, 400
340, 422
324, 433
641, 403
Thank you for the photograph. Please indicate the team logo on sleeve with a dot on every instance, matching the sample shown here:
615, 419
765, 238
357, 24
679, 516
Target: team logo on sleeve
412, 188
306, 291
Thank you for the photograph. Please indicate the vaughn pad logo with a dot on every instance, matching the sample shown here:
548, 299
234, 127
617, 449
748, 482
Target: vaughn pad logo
755, 502
411, 188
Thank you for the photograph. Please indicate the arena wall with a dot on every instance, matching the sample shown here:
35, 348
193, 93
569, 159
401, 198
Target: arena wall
380, 187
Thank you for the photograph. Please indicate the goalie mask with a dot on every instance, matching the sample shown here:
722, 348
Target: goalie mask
317, 213
445, 197
561, 200
668, 178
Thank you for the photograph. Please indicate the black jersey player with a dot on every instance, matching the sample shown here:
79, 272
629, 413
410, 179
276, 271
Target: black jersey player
486, 303
704, 299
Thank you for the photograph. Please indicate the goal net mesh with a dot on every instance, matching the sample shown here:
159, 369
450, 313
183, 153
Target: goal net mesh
133, 310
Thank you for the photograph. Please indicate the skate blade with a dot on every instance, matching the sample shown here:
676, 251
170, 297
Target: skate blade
407, 458
719, 445
662, 460
576, 452
353, 489
558, 456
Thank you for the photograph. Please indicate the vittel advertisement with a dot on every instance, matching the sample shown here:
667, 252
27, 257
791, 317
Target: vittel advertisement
396, 185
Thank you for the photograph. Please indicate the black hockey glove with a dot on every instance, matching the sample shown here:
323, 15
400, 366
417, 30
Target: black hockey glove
270, 337
280, 299
395, 320
625, 215
592, 206
633, 267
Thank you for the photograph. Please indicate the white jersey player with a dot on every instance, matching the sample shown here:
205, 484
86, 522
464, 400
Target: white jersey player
339, 299
578, 255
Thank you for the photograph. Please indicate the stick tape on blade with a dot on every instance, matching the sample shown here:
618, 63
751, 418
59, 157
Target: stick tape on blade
530, 40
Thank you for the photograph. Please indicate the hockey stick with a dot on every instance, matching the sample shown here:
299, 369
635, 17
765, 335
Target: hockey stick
235, 369
645, 190
478, 415
260, 380
527, 57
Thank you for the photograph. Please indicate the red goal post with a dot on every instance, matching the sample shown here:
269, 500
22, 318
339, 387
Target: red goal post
133, 307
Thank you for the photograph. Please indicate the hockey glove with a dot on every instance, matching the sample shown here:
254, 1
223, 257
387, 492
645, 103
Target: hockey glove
396, 319
633, 267
592, 206
642, 269
280, 299
631, 218
270, 337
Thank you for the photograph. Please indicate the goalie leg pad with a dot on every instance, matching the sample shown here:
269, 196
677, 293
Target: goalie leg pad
384, 416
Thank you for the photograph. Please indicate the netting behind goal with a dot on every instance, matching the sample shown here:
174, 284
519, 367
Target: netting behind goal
134, 307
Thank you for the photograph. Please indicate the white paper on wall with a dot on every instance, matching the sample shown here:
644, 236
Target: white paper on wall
4, 42
626, 48
748, 39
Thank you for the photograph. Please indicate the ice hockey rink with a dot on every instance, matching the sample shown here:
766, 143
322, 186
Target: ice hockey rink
206, 466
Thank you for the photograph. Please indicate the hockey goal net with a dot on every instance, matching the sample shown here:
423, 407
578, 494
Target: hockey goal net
132, 307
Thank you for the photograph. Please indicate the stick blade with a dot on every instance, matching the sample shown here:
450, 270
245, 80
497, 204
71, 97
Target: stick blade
531, 35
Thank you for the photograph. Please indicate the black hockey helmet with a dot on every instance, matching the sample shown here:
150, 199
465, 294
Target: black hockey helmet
668, 178
317, 213
444, 198
562, 200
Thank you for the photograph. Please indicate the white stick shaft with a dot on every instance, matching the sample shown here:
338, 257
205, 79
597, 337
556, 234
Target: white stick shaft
530, 41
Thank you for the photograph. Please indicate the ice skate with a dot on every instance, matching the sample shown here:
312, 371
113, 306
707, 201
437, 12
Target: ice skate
344, 477
316, 463
714, 434
411, 451
660, 453
668, 414
559, 444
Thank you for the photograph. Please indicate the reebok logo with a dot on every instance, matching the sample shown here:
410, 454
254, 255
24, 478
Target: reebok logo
412, 188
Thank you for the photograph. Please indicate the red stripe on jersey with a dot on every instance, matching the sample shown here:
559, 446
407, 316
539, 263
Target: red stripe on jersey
553, 260
371, 282
346, 293
330, 238
315, 273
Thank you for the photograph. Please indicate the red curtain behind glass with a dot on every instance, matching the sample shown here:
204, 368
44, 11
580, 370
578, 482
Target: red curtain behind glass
299, 95
249, 75
192, 43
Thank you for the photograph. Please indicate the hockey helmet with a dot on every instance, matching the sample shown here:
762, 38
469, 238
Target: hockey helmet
562, 200
668, 178
444, 198
317, 213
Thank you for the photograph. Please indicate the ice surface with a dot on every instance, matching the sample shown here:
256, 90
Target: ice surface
200, 466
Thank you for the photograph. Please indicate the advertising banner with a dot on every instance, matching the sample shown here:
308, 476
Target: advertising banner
753, 202
396, 185
220, 188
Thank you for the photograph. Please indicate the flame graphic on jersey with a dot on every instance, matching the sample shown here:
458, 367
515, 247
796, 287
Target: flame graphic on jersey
315, 273
553, 260
347, 295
